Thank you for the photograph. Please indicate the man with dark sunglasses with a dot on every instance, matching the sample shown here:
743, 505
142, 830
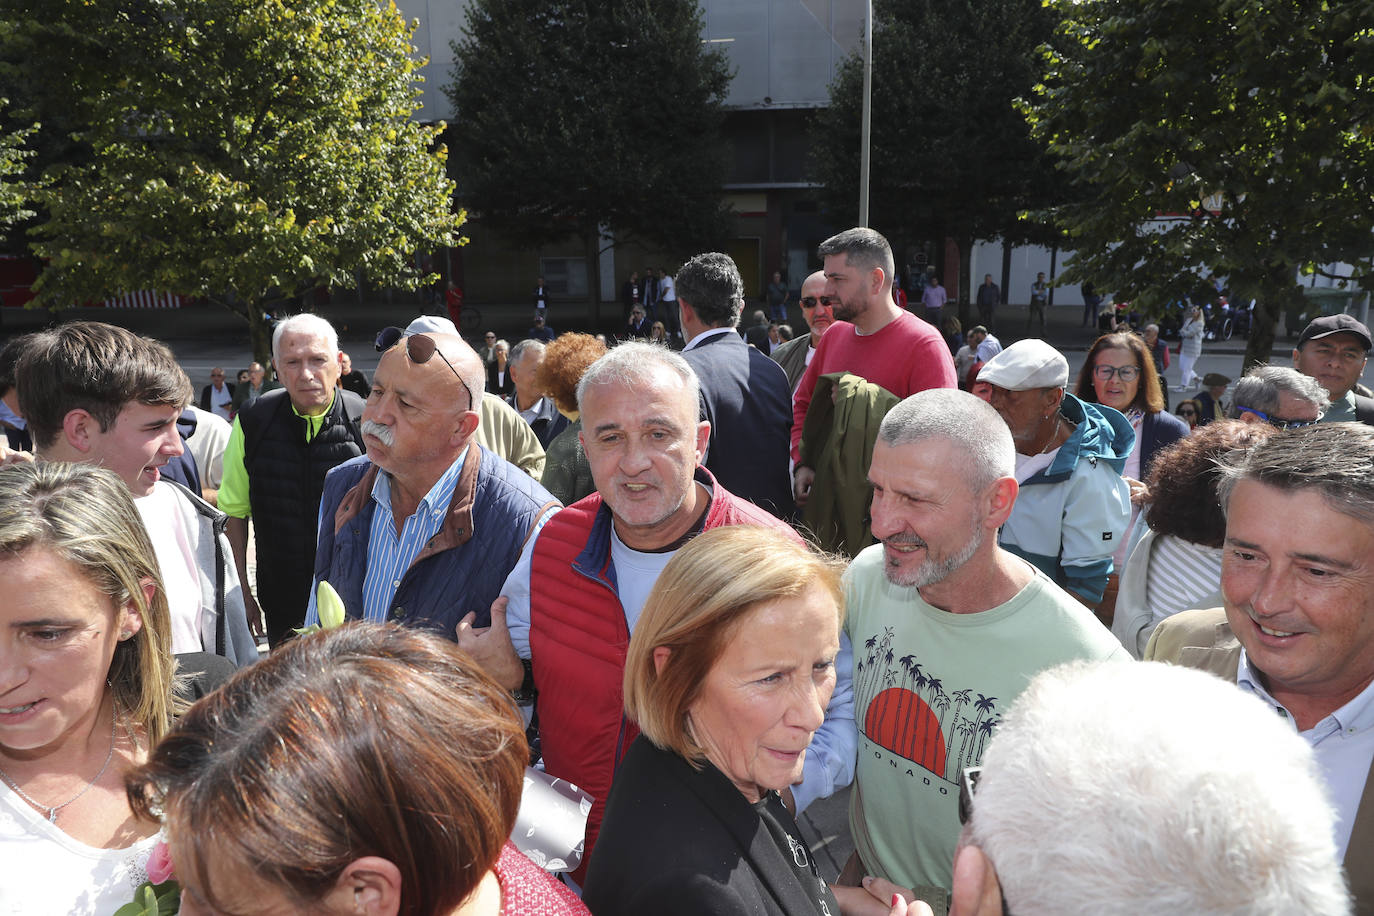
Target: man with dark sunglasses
795, 355
427, 525
1282, 397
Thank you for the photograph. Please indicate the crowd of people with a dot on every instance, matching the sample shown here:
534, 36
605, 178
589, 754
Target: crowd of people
707, 576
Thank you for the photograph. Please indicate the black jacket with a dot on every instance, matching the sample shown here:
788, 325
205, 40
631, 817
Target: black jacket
679, 840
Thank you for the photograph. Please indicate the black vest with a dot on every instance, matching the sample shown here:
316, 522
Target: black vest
285, 481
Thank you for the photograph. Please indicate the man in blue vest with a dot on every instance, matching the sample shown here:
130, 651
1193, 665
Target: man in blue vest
427, 525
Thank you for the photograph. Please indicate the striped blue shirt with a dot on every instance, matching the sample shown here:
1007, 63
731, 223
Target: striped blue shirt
389, 556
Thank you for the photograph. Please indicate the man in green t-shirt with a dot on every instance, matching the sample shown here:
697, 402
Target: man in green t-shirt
947, 629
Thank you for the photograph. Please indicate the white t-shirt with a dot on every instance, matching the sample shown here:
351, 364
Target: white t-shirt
174, 544
207, 445
48, 872
666, 291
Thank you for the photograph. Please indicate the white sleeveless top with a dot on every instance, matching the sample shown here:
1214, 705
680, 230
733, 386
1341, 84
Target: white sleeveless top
47, 872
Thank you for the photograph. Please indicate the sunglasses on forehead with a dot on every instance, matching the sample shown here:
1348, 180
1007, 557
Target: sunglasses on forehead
421, 348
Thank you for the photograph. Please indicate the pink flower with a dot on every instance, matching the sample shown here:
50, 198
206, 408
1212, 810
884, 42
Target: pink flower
159, 863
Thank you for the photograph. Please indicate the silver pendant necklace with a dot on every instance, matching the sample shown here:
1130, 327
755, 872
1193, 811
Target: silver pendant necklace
51, 812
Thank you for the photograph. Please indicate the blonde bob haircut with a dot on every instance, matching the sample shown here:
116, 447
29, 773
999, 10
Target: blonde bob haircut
694, 610
85, 515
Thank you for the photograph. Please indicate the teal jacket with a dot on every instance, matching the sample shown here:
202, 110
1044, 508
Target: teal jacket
1070, 517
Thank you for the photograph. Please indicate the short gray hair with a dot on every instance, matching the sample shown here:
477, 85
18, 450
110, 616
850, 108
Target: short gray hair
308, 324
1259, 390
965, 420
1335, 459
710, 283
634, 364
528, 345
1103, 777
862, 247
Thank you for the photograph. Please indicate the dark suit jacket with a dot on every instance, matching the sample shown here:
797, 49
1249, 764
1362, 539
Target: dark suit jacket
1158, 430
1203, 640
757, 334
679, 840
504, 385
1211, 410
745, 396
205, 395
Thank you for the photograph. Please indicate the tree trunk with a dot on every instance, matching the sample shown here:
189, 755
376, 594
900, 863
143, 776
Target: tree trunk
591, 245
1006, 271
1274, 291
259, 333
965, 243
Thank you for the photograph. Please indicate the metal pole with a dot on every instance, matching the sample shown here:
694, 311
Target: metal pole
867, 116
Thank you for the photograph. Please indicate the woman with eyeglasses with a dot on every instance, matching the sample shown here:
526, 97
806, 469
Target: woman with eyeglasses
1120, 373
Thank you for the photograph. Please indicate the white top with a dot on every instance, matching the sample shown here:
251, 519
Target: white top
207, 445
666, 292
174, 544
47, 873
1027, 466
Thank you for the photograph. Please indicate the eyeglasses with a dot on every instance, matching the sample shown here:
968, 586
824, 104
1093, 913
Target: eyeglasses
490, 337
1187, 413
420, 348
1277, 422
1125, 373
810, 302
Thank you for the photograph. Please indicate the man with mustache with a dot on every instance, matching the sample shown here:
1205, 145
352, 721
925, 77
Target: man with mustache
1297, 629
947, 629
427, 525
281, 446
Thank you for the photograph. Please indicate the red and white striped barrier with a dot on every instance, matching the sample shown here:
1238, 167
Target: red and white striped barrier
145, 300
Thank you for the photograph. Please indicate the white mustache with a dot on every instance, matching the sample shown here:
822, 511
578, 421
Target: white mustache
379, 432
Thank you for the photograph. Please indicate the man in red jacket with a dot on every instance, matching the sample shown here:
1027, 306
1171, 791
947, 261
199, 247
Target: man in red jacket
578, 589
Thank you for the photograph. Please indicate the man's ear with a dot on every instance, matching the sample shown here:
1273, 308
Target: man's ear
688, 313
1001, 497
703, 438
79, 428
976, 890
370, 886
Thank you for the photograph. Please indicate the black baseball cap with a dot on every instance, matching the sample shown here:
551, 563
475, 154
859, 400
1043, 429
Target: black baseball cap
1327, 325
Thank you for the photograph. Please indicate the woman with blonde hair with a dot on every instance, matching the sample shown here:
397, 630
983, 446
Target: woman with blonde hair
86, 675
728, 674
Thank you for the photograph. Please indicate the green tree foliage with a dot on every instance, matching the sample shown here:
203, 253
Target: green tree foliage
15, 192
241, 150
951, 156
1246, 125
575, 115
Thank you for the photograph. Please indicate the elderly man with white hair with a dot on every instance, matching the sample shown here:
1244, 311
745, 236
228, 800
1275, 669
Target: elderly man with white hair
1282, 397
1121, 790
279, 450
1074, 506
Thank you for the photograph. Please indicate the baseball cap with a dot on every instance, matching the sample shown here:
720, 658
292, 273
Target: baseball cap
1027, 364
1327, 325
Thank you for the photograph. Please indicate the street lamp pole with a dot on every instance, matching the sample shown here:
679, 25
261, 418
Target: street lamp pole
867, 124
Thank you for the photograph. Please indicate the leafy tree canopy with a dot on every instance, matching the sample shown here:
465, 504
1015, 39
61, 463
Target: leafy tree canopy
241, 150
1246, 125
572, 115
14, 191
950, 152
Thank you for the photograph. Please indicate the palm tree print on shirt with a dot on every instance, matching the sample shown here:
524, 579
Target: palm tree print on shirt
907, 710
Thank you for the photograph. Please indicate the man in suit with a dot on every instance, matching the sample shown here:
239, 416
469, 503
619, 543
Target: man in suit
1297, 630
744, 394
1333, 349
218, 396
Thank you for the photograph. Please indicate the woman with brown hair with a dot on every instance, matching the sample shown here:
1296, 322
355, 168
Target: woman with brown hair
1120, 373
85, 687
567, 474
368, 769
1176, 565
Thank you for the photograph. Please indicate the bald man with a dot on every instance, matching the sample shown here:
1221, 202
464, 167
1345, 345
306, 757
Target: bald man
795, 355
427, 525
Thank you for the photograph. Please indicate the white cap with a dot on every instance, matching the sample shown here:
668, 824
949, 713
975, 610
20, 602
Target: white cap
1027, 364
431, 324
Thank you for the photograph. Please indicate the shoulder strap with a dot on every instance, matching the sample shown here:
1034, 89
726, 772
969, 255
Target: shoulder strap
1364, 410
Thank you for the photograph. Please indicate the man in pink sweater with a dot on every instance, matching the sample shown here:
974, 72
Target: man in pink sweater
871, 337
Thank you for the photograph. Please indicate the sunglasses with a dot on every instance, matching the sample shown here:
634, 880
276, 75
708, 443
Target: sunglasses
810, 302
1278, 423
420, 348
1187, 413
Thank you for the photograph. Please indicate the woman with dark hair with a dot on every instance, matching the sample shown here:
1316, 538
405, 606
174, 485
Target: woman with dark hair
1190, 412
367, 769
1176, 565
1120, 373
85, 651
